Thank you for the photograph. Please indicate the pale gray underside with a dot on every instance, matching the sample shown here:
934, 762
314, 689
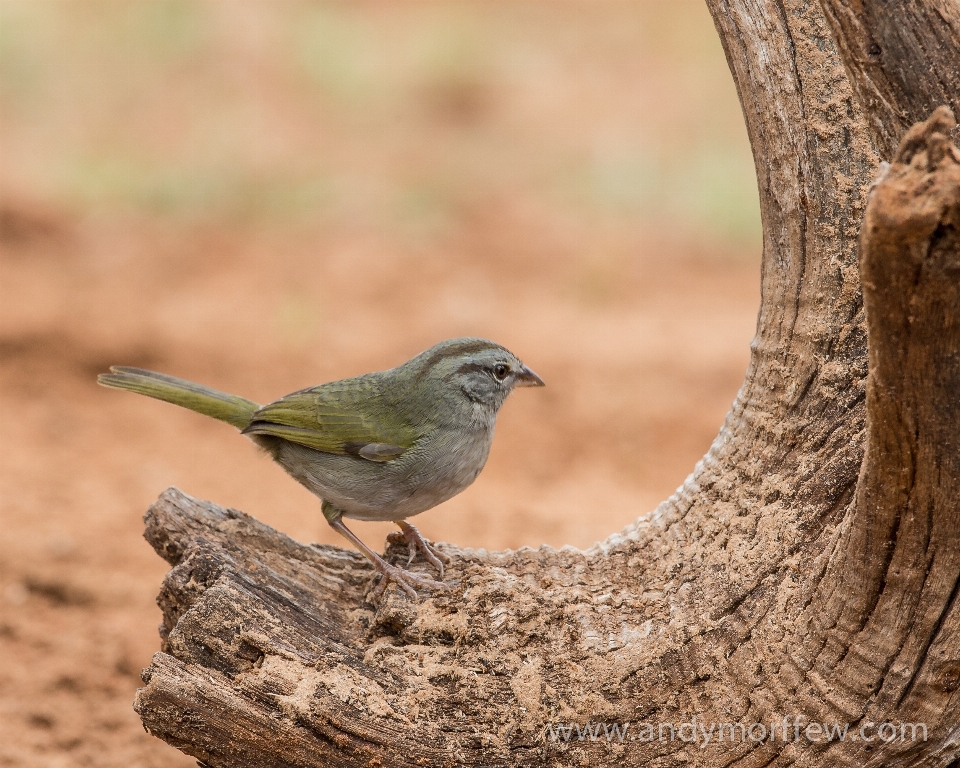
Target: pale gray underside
433, 471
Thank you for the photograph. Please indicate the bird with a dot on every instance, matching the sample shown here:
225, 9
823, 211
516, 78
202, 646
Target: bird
381, 446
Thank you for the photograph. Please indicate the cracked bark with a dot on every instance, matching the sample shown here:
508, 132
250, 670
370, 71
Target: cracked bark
809, 567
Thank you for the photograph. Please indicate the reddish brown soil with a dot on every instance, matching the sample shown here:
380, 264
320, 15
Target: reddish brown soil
486, 193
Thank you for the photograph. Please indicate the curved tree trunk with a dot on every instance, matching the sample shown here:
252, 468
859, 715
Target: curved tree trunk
808, 570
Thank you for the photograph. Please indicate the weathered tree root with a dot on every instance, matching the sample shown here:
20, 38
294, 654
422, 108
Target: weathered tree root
807, 572
272, 657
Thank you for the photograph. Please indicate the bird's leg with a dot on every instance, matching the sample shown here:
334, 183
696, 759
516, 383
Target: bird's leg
415, 541
406, 580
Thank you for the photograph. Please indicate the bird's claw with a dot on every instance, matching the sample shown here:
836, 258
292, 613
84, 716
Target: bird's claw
404, 579
415, 542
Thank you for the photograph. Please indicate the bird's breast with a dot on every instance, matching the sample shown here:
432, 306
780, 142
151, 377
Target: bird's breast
435, 469
443, 467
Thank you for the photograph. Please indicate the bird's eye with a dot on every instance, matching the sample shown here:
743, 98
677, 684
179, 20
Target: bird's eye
500, 371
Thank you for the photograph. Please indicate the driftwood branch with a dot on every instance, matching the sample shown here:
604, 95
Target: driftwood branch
807, 572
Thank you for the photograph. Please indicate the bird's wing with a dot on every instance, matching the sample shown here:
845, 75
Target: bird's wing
342, 417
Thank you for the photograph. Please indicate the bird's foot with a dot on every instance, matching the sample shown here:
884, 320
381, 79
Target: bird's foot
406, 580
415, 541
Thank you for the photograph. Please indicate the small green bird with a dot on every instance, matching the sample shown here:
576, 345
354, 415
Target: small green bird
382, 446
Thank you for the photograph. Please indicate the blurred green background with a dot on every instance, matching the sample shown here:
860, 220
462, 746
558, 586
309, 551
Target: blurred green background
317, 112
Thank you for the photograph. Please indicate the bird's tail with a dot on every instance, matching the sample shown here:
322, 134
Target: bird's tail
229, 408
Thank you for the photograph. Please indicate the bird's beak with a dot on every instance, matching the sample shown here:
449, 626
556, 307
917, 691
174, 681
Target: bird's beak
527, 378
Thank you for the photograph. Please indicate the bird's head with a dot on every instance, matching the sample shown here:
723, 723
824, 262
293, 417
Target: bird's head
475, 371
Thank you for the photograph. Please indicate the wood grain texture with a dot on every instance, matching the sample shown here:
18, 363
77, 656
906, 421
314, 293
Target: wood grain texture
902, 58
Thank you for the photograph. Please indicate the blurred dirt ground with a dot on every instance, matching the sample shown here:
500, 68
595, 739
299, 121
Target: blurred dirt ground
262, 196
